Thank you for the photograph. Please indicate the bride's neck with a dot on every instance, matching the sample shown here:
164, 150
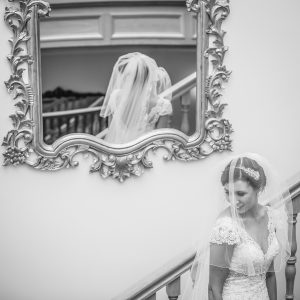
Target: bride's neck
253, 212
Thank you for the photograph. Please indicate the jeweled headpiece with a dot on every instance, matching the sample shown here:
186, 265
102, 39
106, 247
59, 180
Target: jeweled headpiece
252, 173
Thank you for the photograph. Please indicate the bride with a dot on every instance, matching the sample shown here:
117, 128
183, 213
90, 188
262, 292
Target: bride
250, 239
132, 100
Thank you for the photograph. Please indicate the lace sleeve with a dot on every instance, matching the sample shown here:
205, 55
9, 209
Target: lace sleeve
224, 232
162, 108
165, 107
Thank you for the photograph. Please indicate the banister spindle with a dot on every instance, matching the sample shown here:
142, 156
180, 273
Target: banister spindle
55, 127
88, 123
64, 119
290, 269
96, 123
60, 105
70, 105
103, 123
170, 119
173, 289
47, 126
75, 104
79, 123
185, 108
72, 124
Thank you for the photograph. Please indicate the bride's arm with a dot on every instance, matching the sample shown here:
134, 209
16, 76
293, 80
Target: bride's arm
217, 277
220, 257
162, 122
271, 283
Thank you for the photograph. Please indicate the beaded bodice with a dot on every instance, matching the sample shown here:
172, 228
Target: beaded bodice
249, 264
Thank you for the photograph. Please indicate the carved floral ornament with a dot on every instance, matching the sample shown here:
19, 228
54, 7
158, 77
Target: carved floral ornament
23, 144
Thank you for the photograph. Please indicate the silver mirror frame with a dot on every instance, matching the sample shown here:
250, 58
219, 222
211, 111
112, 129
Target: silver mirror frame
24, 143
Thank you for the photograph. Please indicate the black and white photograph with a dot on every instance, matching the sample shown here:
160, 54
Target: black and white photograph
149, 150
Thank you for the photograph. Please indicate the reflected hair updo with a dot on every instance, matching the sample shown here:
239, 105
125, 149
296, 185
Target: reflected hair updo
246, 169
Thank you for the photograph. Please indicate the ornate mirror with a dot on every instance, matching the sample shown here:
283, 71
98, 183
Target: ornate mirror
115, 80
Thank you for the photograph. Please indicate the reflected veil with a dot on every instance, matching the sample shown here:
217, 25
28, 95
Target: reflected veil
131, 96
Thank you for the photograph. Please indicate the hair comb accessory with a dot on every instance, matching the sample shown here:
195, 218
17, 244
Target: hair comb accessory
254, 174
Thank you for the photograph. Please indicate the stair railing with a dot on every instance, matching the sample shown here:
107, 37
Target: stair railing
84, 120
181, 91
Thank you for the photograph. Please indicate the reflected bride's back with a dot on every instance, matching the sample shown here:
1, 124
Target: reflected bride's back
132, 99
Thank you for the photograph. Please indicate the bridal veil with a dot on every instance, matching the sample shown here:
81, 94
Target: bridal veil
273, 195
131, 93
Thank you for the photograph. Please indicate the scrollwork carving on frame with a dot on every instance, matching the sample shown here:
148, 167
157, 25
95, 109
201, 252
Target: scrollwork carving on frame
21, 141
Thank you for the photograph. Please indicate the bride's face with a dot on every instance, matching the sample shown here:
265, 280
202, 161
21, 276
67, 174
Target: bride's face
245, 196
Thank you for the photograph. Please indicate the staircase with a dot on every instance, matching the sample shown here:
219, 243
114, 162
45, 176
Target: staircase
66, 112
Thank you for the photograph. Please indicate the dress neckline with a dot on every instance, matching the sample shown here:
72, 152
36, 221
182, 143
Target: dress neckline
268, 238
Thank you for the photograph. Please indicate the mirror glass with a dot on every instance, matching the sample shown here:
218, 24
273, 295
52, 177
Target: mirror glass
116, 80
105, 67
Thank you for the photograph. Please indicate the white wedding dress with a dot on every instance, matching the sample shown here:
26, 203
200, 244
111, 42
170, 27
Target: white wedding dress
162, 107
238, 286
118, 132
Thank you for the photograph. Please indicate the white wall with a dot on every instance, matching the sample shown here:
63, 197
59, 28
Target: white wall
72, 235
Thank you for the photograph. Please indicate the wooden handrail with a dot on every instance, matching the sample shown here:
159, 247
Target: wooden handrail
159, 279
98, 102
71, 112
181, 87
294, 185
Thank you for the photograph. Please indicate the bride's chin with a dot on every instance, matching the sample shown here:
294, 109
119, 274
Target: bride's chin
241, 210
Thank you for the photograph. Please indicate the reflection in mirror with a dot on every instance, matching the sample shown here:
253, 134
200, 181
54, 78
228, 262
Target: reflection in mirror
132, 100
60, 108
87, 86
